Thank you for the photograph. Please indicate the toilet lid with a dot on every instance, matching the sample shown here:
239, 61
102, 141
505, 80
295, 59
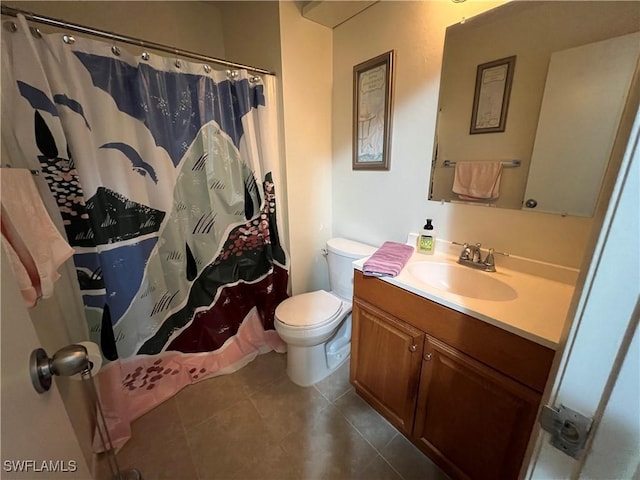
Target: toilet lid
308, 309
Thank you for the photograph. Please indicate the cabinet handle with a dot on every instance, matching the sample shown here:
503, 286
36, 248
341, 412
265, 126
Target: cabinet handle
427, 357
413, 348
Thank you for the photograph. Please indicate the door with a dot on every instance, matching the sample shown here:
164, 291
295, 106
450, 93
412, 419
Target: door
38, 440
599, 371
471, 419
584, 96
385, 363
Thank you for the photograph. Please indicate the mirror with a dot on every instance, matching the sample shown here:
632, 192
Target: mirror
558, 117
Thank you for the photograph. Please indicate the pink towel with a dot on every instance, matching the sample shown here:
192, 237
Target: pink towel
477, 180
388, 260
33, 244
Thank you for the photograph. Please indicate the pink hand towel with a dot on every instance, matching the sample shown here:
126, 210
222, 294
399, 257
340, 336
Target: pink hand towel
25, 283
27, 231
477, 180
388, 260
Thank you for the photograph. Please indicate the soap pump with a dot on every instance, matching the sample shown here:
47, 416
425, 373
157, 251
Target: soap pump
427, 239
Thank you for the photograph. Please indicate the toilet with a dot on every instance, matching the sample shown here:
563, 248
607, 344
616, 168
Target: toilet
316, 326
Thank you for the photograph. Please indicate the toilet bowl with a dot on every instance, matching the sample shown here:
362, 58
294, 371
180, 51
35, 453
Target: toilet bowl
316, 326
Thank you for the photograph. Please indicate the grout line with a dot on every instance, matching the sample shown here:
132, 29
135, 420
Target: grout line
349, 390
382, 456
151, 455
202, 420
384, 459
378, 452
245, 394
323, 395
262, 387
186, 437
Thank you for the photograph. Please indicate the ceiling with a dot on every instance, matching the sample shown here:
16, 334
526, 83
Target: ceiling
333, 13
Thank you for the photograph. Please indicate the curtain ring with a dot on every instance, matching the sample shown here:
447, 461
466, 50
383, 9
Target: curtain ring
35, 32
10, 26
207, 68
68, 39
145, 55
114, 48
177, 63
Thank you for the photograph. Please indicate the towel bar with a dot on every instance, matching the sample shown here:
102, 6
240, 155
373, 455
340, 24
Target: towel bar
33, 172
505, 164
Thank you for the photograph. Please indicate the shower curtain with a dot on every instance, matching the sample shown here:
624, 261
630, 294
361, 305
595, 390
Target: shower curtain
165, 174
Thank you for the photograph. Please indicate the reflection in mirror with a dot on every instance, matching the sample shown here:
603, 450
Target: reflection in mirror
570, 82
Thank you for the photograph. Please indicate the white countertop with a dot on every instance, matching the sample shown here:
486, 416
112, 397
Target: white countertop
538, 312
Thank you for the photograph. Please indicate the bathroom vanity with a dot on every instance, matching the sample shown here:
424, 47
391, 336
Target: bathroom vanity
461, 377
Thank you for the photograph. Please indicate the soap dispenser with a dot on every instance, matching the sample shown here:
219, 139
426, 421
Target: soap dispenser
427, 239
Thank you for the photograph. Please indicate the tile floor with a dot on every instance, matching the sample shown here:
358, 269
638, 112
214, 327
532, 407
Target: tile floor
257, 424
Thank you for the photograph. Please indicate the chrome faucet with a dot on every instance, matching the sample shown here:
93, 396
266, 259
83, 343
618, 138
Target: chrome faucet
466, 252
471, 256
476, 253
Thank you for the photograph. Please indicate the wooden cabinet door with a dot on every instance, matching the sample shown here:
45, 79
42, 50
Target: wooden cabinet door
386, 356
472, 420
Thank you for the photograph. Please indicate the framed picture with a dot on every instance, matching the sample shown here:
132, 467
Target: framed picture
372, 92
491, 99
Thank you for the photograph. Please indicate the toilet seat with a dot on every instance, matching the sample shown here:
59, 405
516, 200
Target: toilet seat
311, 309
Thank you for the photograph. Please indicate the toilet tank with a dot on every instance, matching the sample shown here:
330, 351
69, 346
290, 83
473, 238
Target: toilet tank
341, 254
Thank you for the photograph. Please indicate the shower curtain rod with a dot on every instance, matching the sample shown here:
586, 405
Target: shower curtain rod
34, 17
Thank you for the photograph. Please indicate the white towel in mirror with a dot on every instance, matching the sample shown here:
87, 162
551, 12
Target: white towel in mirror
477, 180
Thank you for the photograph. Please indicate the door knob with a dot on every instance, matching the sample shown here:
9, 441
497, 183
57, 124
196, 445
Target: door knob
65, 362
427, 357
413, 348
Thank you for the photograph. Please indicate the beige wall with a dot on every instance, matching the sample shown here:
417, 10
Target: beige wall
251, 32
191, 26
379, 206
306, 83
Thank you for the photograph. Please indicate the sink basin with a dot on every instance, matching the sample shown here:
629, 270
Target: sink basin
463, 281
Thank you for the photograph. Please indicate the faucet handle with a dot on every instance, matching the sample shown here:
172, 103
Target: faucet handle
492, 251
465, 254
490, 262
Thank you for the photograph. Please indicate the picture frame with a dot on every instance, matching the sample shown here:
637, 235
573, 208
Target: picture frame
491, 96
372, 104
